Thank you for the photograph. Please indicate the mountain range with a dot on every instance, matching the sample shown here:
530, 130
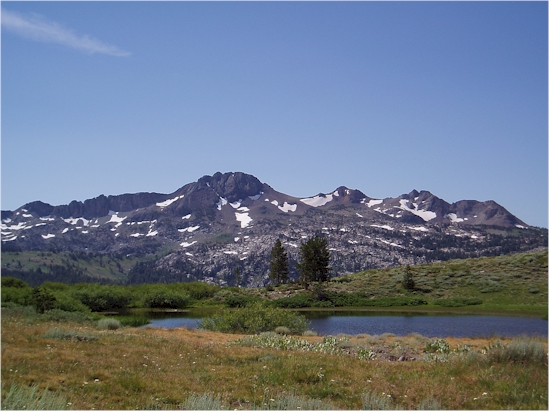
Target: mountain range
208, 229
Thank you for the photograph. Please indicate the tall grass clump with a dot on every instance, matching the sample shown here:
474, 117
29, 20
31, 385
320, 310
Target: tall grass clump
255, 318
290, 402
109, 323
28, 397
60, 334
519, 350
373, 401
203, 402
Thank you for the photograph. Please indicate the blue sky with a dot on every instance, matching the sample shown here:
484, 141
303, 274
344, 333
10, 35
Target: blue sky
384, 97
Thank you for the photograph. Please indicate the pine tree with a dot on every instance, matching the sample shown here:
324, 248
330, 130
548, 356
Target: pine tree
408, 281
315, 259
279, 264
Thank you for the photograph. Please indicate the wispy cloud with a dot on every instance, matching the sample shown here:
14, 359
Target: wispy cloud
37, 28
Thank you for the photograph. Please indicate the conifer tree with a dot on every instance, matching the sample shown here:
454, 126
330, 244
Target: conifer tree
279, 264
315, 259
408, 281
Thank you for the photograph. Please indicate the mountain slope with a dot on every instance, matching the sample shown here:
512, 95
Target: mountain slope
207, 229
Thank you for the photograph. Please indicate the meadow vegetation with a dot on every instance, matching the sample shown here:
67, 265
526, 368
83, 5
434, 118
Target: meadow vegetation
70, 363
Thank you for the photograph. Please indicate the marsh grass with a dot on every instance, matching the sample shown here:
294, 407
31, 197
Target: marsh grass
30, 398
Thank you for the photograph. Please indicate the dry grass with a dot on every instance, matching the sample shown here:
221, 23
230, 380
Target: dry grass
158, 368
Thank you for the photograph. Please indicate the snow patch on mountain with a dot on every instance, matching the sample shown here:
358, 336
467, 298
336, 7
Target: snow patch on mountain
48, 236
287, 207
244, 218
372, 202
383, 227
221, 202
169, 201
116, 219
189, 229
74, 221
454, 218
426, 215
316, 201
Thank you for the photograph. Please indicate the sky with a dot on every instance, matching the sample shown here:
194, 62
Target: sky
385, 97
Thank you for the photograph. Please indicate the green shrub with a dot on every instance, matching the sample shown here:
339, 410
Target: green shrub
438, 346
11, 282
133, 321
102, 298
237, 301
282, 330
299, 300
109, 323
58, 315
28, 397
16, 295
166, 299
201, 290
68, 303
255, 318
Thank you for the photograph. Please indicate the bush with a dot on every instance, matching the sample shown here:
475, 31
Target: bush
438, 346
11, 282
58, 315
240, 301
254, 319
102, 298
109, 323
299, 300
133, 321
166, 299
201, 290
16, 295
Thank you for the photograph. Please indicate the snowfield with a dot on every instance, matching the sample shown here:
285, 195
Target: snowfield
169, 201
243, 218
317, 200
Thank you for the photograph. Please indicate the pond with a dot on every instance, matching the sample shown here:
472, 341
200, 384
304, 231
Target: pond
377, 323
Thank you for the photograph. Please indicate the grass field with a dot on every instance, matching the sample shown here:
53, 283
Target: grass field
88, 367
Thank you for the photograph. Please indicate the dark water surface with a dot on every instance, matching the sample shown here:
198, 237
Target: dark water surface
355, 323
